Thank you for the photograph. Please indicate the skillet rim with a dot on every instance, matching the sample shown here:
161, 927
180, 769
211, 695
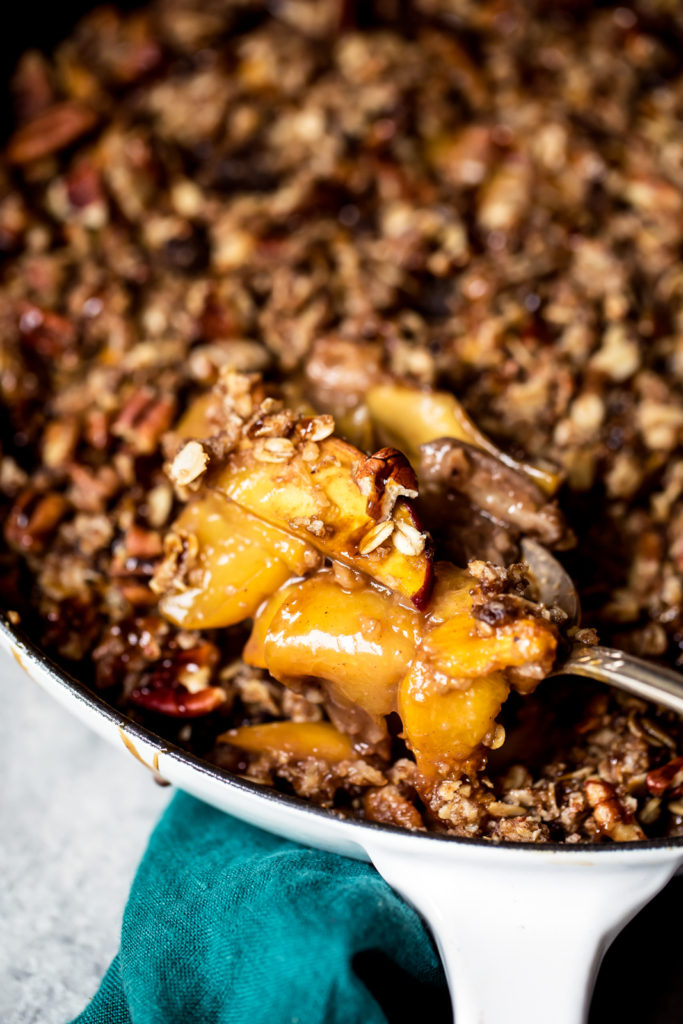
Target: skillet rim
21, 642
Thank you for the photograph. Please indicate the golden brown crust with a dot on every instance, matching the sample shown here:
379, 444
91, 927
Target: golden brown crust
486, 213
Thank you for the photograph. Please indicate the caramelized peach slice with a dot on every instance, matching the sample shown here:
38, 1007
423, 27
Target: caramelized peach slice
449, 700
272, 508
443, 671
297, 740
410, 417
465, 649
458, 650
239, 562
446, 720
320, 502
358, 641
204, 415
195, 424
254, 652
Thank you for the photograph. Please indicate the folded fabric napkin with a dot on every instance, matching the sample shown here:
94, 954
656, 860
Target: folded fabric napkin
226, 923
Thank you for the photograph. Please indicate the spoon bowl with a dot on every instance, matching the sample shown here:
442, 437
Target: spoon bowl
641, 678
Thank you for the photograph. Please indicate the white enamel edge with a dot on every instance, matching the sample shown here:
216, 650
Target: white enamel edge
522, 937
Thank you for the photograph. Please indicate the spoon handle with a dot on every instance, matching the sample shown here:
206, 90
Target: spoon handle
626, 672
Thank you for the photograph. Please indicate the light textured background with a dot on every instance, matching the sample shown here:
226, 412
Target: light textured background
75, 816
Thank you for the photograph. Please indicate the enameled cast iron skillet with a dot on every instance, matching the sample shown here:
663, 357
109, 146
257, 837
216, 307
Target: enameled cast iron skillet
521, 928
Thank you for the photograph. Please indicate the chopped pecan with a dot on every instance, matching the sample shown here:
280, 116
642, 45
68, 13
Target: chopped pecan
134, 563
91, 489
96, 428
57, 127
126, 648
218, 321
143, 419
383, 478
142, 544
178, 685
33, 519
84, 185
610, 815
176, 701
13, 222
668, 777
47, 333
128, 47
32, 86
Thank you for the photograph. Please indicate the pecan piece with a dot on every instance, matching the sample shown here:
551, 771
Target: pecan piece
383, 478
126, 649
669, 776
611, 817
179, 685
33, 518
91, 489
141, 543
177, 702
57, 127
32, 86
143, 419
47, 333
133, 564
84, 185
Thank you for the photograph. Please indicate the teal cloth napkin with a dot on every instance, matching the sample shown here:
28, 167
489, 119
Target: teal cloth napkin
226, 924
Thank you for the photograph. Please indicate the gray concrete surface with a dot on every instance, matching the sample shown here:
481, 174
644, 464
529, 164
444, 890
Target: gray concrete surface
75, 816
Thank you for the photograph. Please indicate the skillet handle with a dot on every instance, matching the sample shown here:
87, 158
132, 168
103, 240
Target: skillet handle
522, 935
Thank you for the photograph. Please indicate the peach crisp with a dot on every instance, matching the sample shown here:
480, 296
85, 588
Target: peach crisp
322, 547
313, 313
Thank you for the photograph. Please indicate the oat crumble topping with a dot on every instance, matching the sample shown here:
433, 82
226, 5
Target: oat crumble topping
281, 219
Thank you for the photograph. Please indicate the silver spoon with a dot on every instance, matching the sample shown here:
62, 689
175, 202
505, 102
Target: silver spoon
616, 668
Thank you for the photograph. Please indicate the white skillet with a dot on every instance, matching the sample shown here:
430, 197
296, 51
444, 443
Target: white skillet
521, 928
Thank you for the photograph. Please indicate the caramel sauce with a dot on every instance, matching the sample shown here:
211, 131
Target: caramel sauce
381, 631
440, 670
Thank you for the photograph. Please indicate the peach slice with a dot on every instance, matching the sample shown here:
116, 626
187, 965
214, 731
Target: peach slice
444, 721
443, 670
239, 562
254, 652
195, 423
465, 649
410, 417
518, 644
296, 740
320, 502
450, 697
359, 641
